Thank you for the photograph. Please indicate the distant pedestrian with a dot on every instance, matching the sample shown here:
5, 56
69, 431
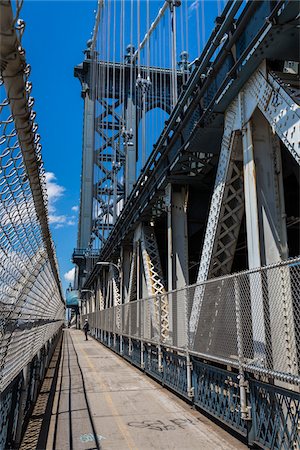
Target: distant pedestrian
86, 328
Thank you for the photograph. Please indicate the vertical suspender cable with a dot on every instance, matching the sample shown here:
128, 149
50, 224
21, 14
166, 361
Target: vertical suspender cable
187, 26
113, 137
203, 24
109, 181
173, 53
198, 28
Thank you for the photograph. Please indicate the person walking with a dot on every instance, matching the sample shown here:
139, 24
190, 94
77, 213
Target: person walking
86, 328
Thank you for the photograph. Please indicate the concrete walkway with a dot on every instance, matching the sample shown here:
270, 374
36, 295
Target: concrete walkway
100, 393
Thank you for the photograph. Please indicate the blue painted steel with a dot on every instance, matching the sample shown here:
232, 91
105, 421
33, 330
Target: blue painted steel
126, 347
174, 372
72, 298
275, 415
105, 337
275, 411
5, 409
253, 26
117, 348
151, 361
217, 392
15, 422
136, 352
217, 80
17, 399
31, 386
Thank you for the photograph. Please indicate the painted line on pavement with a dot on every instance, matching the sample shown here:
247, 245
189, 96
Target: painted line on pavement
109, 401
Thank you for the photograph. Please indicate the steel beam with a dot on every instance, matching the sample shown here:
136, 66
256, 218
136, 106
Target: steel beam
271, 236
87, 194
279, 108
214, 218
130, 139
177, 261
253, 245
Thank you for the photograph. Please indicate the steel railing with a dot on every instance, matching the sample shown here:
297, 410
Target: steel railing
250, 320
31, 302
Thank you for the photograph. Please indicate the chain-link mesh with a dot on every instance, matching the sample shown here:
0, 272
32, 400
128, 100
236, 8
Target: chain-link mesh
249, 319
31, 304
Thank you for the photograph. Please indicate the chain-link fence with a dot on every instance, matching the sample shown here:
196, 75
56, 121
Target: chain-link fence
31, 305
250, 319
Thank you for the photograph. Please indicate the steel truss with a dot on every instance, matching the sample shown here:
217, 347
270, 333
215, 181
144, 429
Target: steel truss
154, 278
220, 239
227, 205
116, 116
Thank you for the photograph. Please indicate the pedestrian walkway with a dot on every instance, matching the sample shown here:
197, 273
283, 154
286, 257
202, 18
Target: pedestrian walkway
98, 394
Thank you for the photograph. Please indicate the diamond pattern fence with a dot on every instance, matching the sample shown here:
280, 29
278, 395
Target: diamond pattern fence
250, 320
31, 304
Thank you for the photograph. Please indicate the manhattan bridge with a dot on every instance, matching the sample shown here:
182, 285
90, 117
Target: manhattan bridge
187, 266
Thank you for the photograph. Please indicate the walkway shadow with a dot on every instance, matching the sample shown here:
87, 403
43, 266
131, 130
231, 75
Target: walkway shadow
37, 429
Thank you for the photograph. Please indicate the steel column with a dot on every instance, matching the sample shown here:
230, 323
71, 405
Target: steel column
130, 146
86, 195
177, 260
215, 212
253, 245
273, 241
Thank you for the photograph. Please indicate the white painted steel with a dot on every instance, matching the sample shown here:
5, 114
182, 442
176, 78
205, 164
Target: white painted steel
279, 108
215, 209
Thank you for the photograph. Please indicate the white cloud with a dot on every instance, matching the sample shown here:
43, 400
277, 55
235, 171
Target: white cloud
55, 192
75, 208
57, 219
193, 6
69, 276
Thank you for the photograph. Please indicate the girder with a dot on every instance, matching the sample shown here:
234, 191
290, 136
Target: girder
132, 291
217, 213
282, 112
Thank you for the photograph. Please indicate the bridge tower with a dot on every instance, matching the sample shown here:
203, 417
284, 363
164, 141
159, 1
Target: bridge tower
114, 106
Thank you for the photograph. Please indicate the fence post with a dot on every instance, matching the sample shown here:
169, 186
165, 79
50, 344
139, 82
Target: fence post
189, 367
142, 355
243, 384
160, 365
121, 345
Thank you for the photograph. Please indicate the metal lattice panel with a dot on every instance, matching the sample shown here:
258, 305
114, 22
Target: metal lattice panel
154, 277
276, 416
228, 142
116, 297
132, 294
229, 222
225, 327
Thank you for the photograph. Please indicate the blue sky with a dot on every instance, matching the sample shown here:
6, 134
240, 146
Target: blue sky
55, 37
